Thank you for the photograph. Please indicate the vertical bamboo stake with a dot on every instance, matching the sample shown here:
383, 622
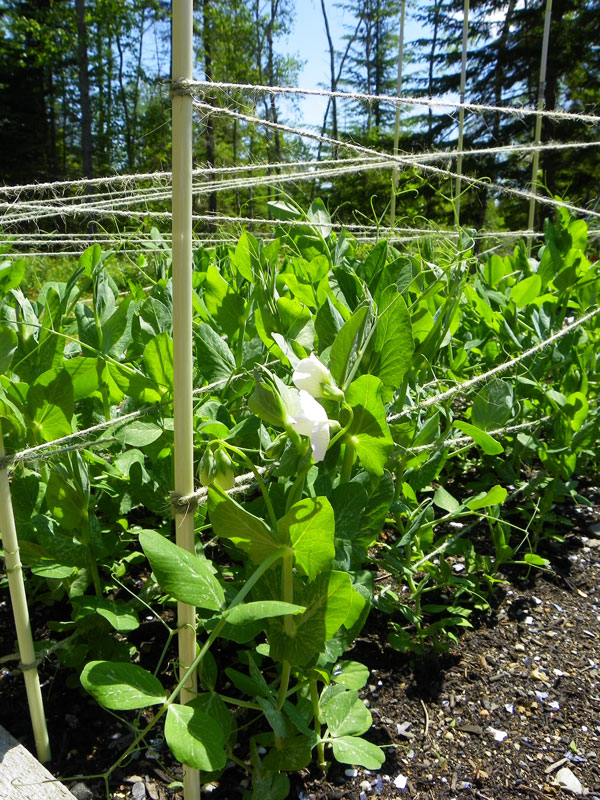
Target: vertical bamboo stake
397, 121
18, 599
182, 69
461, 111
538, 121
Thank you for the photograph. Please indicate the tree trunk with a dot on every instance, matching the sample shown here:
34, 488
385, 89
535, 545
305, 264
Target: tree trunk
209, 127
84, 90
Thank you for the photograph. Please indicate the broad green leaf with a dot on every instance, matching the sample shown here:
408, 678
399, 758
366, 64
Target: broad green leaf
8, 346
214, 358
309, 525
328, 323
231, 521
350, 674
195, 738
344, 348
50, 405
369, 429
85, 375
245, 257
261, 609
158, 361
274, 718
487, 443
524, 292
121, 686
391, 349
493, 405
11, 274
138, 433
347, 715
354, 750
210, 703
290, 754
444, 499
327, 600
495, 496
120, 615
318, 216
66, 503
183, 575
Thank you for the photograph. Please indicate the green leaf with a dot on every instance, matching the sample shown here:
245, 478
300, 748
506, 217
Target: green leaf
495, 496
158, 361
231, 521
85, 375
245, 257
328, 323
444, 499
346, 344
327, 600
525, 292
309, 525
8, 345
369, 428
487, 443
291, 754
347, 715
139, 434
66, 503
121, 686
354, 750
391, 349
183, 575
350, 674
195, 738
261, 609
535, 560
120, 616
215, 360
493, 405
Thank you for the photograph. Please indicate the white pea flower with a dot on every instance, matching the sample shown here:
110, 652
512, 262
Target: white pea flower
313, 377
309, 418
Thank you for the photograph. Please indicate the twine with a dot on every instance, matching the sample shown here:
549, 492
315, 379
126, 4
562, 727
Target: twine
433, 102
398, 159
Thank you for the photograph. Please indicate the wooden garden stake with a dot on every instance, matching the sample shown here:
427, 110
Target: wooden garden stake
18, 599
182, 70
538, 121
461, 111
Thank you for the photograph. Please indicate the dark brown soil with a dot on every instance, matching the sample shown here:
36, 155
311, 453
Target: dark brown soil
499, 716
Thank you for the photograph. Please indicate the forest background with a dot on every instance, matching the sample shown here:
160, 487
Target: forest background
84, 91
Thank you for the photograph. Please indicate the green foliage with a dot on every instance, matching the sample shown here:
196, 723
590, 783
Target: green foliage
374, 433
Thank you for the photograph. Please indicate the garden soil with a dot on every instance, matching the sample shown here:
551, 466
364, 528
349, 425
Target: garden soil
513, 711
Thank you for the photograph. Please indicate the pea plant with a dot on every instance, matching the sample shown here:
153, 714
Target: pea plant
445, 397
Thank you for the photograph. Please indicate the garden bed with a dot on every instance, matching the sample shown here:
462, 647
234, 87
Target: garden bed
500, 716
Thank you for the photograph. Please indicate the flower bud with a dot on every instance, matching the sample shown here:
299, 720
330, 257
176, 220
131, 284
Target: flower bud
208, 468
224, 476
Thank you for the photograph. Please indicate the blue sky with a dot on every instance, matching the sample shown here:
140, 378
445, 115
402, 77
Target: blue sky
309, 41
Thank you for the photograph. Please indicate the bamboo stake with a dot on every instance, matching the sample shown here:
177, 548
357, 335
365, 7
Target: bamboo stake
461, 111
18, 597
182, 69
397, 120
538, 121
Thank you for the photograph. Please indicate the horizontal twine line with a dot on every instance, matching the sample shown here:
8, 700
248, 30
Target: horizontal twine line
433, 102
399, 159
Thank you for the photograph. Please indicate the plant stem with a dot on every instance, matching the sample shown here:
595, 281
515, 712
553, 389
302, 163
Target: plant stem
266, 564
349, 452
314, 696
257, 476
287, 595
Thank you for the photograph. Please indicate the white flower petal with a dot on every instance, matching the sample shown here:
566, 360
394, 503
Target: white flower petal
309, 418
310, 375
319, 440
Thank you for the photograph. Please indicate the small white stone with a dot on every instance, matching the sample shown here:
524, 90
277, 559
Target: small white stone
499, 736
567, 780
510, 708
351, 773
365, 786
400, 781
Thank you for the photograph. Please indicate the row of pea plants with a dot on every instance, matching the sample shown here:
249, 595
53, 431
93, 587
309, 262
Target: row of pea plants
330, 364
